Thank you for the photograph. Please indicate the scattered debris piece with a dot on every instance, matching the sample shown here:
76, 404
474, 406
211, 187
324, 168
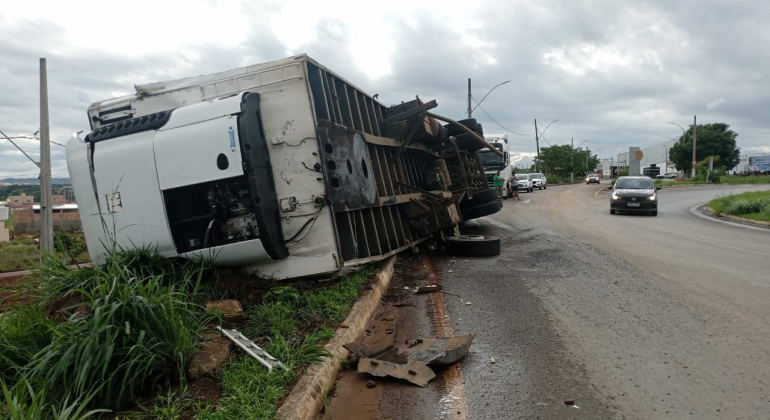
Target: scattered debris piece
406, 287
569, 402
492, 360
343, 326
542, 404
230, 310
212, 354
399, 304
371, 384
467, 303
410, 359
428, 289
252, 349
450, 271
389, 318
414, 371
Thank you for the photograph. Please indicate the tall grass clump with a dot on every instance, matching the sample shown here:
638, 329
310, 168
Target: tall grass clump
24, 331
748, 206
752, 205
135, 328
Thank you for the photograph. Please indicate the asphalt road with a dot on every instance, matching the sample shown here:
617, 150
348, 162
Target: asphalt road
633, 317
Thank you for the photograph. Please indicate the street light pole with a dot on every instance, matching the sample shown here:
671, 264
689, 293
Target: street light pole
469, 98
470, 111
694, 139
46, 216
537, 144
572, 160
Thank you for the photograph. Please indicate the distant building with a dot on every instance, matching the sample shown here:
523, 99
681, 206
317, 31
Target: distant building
5, 235
21, 200
658, 155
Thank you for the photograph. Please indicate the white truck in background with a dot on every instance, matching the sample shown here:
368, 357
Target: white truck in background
284, 168
493, 162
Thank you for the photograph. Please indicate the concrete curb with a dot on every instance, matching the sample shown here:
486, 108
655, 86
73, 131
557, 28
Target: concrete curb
306, 399
712, 213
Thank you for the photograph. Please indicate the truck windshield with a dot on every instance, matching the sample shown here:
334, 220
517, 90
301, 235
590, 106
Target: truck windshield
490, 159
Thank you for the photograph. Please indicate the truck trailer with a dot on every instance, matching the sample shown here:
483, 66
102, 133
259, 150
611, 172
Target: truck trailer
284, 168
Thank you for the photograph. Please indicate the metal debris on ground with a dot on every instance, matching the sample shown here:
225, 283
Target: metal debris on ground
410, 359
428, 289
252, 349
569, 402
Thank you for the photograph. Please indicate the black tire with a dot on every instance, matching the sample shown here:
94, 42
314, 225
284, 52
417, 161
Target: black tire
540, 187
482, 210
466, 142
480, 197
453, 130
612, 211
473, 246
531, 189
545, 187
654, 213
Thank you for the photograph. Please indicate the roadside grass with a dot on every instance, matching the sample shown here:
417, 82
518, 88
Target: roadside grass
21, 254
751, 179
18, 255
102, 339
749, 205
291, 323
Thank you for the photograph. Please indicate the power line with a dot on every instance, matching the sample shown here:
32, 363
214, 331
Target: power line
503, 127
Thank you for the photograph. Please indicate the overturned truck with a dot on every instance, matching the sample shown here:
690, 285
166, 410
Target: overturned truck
282, 167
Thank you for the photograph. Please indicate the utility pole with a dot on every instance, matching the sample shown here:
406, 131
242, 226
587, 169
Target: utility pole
694, 139
469, 99
46, 216
587, 153
572, 160
537, 144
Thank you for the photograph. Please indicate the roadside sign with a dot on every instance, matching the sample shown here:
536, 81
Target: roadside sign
639, 154
694, 163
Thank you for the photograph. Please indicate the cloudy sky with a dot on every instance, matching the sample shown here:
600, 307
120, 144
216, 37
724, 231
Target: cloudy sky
611, 72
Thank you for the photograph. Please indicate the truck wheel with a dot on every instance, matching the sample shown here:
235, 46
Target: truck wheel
482, 210
454, 130
479, 198
473, 246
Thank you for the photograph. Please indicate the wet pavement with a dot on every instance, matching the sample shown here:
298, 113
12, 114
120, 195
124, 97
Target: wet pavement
633, 317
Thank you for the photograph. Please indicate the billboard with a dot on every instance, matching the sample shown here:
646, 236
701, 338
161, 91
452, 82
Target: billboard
759, 163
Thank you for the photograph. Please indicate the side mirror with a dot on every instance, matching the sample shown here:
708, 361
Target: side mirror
657, 188
505, 156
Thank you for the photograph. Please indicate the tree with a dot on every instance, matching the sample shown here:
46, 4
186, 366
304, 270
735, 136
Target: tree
712, 140
561, 160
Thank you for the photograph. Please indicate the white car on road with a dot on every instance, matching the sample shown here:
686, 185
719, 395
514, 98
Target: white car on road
538, 181
525, 183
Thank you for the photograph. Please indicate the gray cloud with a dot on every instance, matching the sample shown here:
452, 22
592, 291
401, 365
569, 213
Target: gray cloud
613, 73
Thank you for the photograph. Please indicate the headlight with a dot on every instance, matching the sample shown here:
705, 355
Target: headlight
651, 198
615, 196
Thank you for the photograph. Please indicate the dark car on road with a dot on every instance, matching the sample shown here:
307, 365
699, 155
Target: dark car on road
592, 178
634, 194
